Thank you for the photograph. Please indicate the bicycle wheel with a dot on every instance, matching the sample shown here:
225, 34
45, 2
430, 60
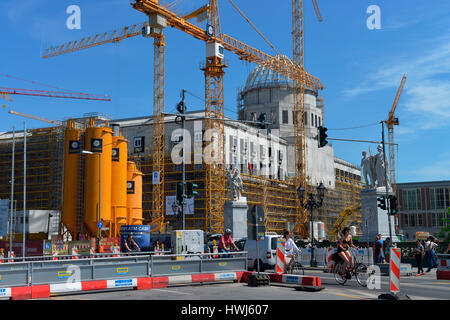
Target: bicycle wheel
340, 278
297, 268
362, 274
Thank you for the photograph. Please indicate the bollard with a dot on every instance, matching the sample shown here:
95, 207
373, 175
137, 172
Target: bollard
280, 255
394, 277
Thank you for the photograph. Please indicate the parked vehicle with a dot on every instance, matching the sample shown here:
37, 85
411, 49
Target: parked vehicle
267, 251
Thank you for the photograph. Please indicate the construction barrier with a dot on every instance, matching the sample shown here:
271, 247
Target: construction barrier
74, 253
45, 290
280, 255
394, 270
2, 256
443, 269
11, 256
314, 283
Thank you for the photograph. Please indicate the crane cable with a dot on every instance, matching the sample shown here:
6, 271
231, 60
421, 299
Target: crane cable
231, 1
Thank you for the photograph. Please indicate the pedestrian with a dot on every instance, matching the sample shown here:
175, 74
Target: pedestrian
225, 243
448, 249
419, 254
432, 263
387, 249
377, 250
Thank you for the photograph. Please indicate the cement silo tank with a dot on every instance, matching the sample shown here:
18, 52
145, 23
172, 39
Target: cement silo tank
72, 179
98, 169
134, 194
119, 183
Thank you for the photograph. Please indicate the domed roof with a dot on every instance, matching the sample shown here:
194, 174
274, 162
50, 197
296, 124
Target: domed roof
261, 77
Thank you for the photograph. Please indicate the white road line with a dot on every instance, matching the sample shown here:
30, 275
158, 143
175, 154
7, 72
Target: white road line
171, 291
374, 296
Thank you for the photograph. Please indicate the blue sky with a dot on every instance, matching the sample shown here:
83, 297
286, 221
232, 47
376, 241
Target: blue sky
360, 68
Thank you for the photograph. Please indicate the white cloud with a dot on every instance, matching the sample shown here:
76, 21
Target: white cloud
426, 96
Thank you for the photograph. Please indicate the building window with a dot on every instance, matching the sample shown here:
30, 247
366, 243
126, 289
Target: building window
177, 167
316, 120
312, 120
439, 198
412, 220
285, 117
419, 220
412, 199
405, 220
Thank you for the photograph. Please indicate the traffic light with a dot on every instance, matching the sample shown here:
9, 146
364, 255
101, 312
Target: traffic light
181, 107
191, 189
179, 192
382, 203
322, 136
393, 206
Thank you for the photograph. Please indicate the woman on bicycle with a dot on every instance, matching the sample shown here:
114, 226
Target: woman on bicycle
289, 248
343, 244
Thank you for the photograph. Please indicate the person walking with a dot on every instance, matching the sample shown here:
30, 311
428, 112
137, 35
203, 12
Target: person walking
378, 250
419, 254
431, 249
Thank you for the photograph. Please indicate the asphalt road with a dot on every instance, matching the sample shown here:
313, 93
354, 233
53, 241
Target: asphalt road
425, 287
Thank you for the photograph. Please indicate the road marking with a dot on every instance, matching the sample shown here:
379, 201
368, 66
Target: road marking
345, 295
171, 291
364, 293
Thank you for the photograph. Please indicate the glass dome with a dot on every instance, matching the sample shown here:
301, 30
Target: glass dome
262, 77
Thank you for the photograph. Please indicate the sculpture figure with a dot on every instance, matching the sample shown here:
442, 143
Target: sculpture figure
374, 166
234, 184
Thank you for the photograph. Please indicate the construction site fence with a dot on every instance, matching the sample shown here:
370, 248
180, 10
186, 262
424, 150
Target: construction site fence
48, 271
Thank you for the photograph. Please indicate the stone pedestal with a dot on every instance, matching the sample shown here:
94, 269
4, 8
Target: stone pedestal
374, 219
235, 217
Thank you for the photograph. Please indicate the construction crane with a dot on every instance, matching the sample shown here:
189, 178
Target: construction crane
159, 18
58, 123
299, 111
343, 217
390, 123
6, 92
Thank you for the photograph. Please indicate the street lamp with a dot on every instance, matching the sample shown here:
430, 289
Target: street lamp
99, 193
310, 204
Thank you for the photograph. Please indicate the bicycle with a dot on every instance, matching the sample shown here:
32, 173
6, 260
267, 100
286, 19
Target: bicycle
296, 266
360, 270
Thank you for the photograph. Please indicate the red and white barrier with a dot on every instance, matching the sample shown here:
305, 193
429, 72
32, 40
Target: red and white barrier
2, 256
280, 256
394, 270
330, 262
74, 253
443, 269
44, 291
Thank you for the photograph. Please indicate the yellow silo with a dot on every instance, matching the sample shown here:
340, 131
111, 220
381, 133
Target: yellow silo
98, 178
118, 183
72, 198
134, 194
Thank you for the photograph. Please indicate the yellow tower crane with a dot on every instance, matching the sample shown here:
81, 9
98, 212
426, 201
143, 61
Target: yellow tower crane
159, 17
299, 111
390, 123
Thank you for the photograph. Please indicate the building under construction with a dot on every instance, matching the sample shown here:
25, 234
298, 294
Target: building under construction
264, 155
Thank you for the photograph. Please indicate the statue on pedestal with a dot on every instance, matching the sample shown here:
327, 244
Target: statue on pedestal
234, 184
374, 166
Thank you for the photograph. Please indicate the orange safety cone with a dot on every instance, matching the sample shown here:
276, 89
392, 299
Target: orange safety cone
157, 248
215, 249
54, 253
162, 249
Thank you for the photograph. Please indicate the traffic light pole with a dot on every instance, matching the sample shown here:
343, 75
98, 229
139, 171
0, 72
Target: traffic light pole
386, 183
183, 126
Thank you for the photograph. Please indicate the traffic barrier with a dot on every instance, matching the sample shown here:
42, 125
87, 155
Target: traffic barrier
280, 255
330, 261
307, 282
11, 256
2, 256
443, 269
394, 273
116, 251
91, 252
45, 290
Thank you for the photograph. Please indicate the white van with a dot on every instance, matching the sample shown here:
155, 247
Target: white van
267, 251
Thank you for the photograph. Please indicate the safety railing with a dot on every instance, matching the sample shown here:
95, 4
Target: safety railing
110, 268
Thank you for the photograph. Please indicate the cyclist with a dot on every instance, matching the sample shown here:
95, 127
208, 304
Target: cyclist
225, 243
289, 248
343, 244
